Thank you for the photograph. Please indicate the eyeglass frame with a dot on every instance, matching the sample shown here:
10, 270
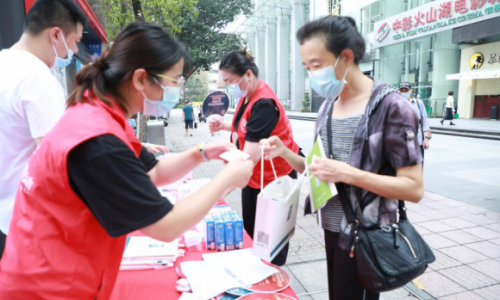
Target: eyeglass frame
178, 82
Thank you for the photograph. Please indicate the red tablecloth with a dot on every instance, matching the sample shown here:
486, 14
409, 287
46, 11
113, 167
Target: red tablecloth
160, 284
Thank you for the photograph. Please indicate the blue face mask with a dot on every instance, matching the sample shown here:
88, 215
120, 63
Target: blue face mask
235, 91
405, 95
325, 82
63, 62
157, 108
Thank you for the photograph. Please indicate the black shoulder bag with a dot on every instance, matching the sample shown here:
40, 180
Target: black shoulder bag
387, 256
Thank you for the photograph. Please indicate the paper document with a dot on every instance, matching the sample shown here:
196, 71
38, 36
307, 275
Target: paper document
145, 247
207, 280
188, 296
144, 267
223, 271
242, 264
234, 154
321, 191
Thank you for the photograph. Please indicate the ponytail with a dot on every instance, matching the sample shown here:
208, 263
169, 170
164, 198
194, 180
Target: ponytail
239, 62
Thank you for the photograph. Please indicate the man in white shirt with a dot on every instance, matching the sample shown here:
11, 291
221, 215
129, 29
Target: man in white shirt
31, 99
424, 131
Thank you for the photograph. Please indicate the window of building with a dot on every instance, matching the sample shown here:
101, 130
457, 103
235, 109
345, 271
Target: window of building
369, 15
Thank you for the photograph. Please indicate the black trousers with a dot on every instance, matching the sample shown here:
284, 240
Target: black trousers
343, 281
3, 237
249, 207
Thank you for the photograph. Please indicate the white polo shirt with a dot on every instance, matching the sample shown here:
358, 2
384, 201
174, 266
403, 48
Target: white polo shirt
31, 102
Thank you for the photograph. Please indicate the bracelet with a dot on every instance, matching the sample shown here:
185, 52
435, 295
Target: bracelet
203, 153
198, 151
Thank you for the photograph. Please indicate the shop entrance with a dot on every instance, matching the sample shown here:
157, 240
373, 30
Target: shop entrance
483, 105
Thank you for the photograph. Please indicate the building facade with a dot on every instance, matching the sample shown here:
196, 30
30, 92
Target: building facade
424, 42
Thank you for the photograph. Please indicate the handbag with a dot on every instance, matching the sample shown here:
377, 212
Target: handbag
387, 256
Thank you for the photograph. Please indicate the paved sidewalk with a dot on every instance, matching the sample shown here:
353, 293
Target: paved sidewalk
464, 238
467, 124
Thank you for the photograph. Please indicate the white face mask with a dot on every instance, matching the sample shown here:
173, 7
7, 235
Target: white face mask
406, 95
235, 91
157, 108
62, 62
325, 82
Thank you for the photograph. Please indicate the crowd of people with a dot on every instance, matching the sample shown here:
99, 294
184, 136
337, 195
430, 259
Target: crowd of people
72, 189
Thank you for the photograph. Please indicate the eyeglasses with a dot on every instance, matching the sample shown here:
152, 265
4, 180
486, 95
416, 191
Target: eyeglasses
177, 82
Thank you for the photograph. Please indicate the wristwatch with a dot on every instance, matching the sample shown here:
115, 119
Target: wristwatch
428, 137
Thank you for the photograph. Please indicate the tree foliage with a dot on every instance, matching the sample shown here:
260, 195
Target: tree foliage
196, 23
196, 88
203, 33
166, 13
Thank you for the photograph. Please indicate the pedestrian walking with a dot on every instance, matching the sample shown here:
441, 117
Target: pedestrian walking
188, 117
259, 115
448, 114
373, 150
31, 99
424, 131
89, 184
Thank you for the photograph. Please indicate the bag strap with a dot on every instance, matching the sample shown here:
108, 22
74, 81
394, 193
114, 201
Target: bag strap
262, 168
341, 189
421, 119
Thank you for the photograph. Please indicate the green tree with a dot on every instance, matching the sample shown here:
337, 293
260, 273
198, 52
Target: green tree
306, 104
166, 13
197, 23
203, 34
196, 88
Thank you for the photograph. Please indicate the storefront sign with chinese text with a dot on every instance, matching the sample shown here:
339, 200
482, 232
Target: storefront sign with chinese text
431, 18
494, 58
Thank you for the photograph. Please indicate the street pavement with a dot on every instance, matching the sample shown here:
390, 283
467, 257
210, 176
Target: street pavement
459, 217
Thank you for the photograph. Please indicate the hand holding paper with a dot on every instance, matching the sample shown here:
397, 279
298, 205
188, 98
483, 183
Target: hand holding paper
234, 154
329, 170
321, 191
213, 150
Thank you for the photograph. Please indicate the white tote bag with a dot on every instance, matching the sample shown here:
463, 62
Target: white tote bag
277, 206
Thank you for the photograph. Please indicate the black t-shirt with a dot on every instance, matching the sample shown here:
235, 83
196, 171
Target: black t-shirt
263, 118
107, 176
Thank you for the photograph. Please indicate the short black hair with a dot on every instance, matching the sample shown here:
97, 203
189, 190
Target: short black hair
53, 13
239, 62
451, 93
340, 33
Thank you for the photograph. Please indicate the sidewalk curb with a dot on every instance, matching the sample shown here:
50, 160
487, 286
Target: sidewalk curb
476, 134
415, 291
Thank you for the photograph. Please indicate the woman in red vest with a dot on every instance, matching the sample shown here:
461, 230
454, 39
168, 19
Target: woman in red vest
90, 182
259, 115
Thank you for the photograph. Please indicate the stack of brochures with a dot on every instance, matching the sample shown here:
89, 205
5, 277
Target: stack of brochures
143, 253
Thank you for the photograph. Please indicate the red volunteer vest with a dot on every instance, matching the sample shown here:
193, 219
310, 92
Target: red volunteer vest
283, 130
56, 249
